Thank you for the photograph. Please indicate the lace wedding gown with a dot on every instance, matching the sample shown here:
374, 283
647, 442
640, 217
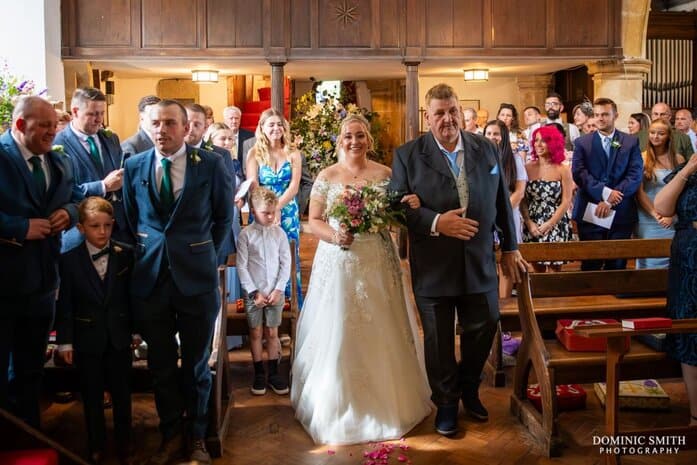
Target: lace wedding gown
356, 374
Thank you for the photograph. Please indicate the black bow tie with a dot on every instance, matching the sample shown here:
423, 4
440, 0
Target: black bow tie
100, 254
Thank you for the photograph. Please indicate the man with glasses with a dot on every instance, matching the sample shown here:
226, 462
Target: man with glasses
554, 107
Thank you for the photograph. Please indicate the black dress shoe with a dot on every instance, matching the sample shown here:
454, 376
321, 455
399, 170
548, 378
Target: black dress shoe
475, 408
446, 420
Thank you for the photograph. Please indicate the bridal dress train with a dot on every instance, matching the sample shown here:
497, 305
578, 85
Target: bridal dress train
356, 374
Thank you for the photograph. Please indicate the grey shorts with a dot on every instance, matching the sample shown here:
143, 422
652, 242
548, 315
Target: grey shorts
270, 316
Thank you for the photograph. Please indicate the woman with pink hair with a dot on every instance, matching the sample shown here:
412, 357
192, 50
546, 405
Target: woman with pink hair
548, 193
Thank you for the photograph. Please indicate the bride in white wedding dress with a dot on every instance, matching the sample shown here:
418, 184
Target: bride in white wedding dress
356, 376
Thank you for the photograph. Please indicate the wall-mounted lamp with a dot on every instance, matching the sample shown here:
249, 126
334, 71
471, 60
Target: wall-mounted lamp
204, 76
476, 75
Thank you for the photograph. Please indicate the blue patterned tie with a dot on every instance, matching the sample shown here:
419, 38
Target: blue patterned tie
452, 161
606, 145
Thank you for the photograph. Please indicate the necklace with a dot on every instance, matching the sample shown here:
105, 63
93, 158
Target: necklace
355, 173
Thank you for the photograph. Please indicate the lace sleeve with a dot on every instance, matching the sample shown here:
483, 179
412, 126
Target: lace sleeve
320, 188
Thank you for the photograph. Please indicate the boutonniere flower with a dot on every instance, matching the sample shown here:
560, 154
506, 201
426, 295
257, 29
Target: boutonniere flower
615, 144
117, 249
208, 145
107, 132
193, 156
58, 149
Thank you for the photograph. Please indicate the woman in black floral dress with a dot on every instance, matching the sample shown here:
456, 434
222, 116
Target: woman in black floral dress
679, 196
548, 193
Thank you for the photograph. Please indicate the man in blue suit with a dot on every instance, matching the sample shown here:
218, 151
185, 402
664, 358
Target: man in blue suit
197, 127
37, 202
96, 157
178, 205
607, 168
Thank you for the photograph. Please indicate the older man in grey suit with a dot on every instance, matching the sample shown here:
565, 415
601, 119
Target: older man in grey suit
459, 180
141, 141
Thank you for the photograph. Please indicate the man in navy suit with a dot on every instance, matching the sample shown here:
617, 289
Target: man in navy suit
96, 157
178, 205
197, 127
38, 200
141, 141
607, 168
458, 178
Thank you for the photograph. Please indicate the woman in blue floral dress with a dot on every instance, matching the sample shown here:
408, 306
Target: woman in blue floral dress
275, 164
679, 196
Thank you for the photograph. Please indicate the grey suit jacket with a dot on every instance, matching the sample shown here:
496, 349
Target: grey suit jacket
138, 142
445, 266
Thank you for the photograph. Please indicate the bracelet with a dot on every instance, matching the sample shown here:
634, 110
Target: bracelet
335, 238
683, 177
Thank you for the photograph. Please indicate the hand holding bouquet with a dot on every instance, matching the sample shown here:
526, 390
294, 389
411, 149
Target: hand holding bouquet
367, 209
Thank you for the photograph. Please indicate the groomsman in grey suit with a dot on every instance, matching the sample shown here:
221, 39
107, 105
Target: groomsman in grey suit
459, 180
141, 141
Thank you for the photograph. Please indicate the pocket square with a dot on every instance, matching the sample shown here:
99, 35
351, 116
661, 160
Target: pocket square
494, 170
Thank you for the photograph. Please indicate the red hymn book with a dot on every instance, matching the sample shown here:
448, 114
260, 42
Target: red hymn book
647, 323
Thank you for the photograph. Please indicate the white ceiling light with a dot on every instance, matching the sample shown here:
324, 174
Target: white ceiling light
204, 76
476, 75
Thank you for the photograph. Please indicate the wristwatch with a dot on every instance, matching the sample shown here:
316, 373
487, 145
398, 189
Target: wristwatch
252, 295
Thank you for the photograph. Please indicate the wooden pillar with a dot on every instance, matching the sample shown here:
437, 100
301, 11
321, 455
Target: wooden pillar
412, 100
277, 85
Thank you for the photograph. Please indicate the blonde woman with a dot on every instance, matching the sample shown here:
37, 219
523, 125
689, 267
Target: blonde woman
274, 163
660, 160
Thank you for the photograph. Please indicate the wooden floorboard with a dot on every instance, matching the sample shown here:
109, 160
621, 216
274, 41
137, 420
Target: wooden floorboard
264, 431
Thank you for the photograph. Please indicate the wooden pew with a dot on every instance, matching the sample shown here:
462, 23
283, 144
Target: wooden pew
550, 309
551, 363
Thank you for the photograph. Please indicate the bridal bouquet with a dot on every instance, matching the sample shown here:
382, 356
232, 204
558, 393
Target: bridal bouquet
366, 209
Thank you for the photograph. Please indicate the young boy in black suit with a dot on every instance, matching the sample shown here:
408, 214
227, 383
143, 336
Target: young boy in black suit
93, 324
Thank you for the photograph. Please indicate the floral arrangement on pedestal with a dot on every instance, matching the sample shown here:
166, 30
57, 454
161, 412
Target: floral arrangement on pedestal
316, 127
11, 88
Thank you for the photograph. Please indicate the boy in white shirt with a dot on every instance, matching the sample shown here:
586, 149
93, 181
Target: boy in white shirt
263, 265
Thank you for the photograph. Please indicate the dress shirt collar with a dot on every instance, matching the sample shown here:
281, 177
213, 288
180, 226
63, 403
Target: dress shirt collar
611, 135
93, 249
81, 135
174, 157
26, 153
458, 147
258, 227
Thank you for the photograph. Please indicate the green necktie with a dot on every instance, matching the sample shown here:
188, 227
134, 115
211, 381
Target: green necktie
94, 153
166, 191
38, 174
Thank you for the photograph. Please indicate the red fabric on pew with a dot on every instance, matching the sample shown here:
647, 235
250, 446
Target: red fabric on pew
29, 457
